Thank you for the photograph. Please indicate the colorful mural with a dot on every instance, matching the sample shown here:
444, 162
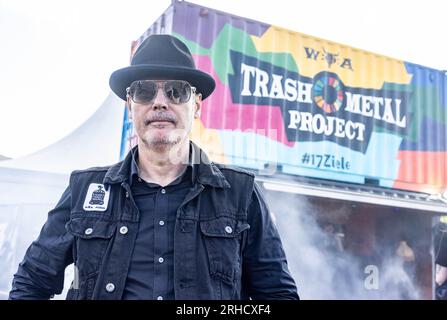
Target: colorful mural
310, 106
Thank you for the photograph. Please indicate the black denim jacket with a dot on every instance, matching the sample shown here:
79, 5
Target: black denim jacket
225, 243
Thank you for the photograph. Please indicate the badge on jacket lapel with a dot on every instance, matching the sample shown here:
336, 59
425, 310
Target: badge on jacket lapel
97, 198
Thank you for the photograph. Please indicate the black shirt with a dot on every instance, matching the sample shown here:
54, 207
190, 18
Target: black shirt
151, 270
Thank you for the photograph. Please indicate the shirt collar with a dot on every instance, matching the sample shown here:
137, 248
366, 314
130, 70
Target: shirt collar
134, 166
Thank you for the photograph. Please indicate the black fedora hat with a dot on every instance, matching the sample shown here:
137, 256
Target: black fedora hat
161, 57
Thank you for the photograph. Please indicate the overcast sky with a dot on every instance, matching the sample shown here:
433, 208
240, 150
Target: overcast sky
56, 56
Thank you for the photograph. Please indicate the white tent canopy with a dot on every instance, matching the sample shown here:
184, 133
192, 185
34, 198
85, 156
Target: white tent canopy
31, 186
96, 142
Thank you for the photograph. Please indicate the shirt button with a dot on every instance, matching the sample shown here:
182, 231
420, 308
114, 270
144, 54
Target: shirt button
161, 223
159, 298
110, 287
139, 179
88, 231
228, 229
163, 191
161, 260
123, 230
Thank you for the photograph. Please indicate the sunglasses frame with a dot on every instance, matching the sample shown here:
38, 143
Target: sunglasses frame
193, 90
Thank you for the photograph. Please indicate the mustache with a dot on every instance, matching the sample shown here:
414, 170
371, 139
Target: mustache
161, 116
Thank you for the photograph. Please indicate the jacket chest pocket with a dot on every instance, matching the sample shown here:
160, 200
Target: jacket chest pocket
93, 236
223, 238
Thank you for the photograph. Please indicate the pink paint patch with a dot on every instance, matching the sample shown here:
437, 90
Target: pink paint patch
219, 112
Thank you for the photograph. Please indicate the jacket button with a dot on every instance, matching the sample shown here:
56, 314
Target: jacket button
88, 231
127, 194
228, 229
110, 287
123, 230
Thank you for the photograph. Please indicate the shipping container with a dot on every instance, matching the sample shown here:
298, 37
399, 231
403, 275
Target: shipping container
357, 139
313, 107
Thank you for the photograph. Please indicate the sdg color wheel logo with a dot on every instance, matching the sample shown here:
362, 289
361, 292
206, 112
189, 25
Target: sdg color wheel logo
328, 92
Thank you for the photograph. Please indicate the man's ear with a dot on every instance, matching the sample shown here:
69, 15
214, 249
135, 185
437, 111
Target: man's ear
198, 105
129, 108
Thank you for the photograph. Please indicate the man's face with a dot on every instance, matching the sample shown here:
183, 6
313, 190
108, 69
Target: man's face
164, 120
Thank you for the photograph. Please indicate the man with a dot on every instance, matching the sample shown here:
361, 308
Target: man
440, 240
165, 223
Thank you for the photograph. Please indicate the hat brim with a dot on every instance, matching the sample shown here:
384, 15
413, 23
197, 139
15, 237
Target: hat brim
122, 78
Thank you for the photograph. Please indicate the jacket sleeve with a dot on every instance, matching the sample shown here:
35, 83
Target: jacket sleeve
265, 271
41, 273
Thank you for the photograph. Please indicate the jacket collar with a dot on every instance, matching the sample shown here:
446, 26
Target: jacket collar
207, 172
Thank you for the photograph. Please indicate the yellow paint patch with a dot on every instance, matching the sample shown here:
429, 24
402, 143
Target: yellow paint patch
369, 70
209, 141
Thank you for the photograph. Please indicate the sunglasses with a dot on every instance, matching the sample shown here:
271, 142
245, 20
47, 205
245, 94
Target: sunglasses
145, 91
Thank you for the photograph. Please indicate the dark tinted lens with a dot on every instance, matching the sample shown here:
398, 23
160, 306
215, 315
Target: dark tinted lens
177, 91
143, 91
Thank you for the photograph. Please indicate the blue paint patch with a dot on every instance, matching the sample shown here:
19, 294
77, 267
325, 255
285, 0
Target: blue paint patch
316, 173
432, 137
424, 76
125, 134
315, 159
381, 157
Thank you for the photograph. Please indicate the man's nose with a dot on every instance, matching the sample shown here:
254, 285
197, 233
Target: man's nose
160, 101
